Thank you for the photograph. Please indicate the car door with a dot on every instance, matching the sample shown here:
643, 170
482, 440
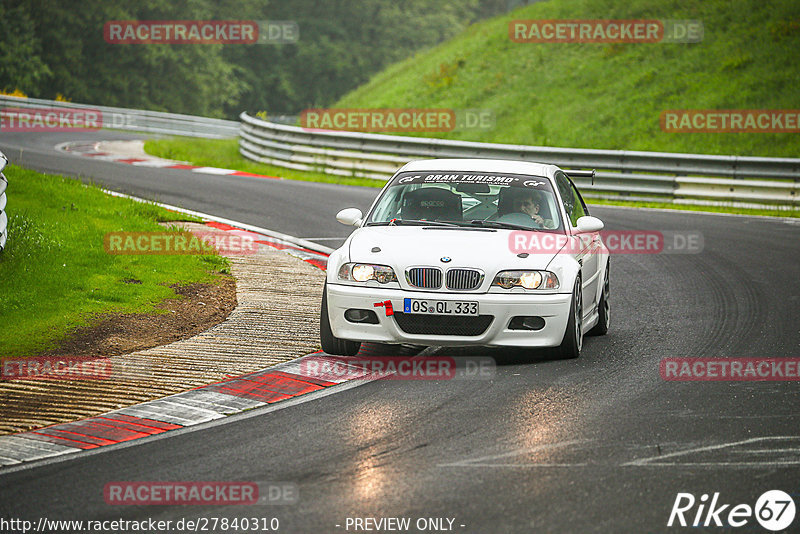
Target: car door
586, 245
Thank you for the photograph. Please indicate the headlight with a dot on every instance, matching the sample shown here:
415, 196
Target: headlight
363, 272
526, 279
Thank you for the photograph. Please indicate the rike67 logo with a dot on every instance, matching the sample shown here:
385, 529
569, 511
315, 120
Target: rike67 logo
774, 511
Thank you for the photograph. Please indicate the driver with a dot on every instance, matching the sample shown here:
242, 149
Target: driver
528, 204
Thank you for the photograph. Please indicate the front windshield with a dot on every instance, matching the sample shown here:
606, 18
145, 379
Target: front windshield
469, 199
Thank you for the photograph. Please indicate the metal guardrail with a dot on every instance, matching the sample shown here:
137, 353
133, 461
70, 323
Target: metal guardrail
3, 202
663, 176
134, 119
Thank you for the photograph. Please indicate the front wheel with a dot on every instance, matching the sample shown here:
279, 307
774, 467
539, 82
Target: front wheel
330, 343
573, 337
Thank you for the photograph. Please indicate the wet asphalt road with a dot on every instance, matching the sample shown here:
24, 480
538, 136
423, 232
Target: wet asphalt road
598, 444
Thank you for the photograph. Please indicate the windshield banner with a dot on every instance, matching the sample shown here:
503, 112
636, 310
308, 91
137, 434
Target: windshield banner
513, 180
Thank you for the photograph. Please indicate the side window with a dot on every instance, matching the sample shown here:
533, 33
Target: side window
566, 194
579, 209
585, 208
573, 203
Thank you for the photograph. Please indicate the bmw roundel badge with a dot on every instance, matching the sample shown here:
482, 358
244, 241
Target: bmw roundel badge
446, 259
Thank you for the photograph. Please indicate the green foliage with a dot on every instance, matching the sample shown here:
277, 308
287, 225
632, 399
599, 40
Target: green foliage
341, 44
57, 46
21, 65
609, 95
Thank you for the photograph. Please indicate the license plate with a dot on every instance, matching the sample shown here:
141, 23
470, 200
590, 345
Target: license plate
440, 307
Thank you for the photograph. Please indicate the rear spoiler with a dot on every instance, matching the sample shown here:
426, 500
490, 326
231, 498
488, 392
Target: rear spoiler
581, 174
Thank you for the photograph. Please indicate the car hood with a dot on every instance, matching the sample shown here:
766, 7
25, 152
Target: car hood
405, 246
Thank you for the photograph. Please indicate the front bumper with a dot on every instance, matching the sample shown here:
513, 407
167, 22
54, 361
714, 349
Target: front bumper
553, 308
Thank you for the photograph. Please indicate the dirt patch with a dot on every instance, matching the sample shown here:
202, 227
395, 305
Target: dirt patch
196, 308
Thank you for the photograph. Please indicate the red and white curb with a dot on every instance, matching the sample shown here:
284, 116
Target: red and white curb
304, 249
132, 153
315, 258
214, 401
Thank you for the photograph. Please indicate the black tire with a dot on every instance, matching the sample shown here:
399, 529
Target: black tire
330, 343
573, 337
603, 310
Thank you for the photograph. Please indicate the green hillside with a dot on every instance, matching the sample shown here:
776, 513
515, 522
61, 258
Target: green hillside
610, 95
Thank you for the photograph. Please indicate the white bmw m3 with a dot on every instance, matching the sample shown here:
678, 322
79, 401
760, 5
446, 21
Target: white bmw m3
458, 252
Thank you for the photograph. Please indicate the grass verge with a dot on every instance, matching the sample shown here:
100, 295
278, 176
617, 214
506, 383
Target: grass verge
56, 274
224, 153
608, 96
793, 213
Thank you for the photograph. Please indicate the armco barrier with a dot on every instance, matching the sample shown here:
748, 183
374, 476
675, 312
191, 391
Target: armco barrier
687, 178
680, 178
3, 201
135, 119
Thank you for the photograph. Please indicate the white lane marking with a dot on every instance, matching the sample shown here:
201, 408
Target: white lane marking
514, 465
762, 464
795, 450
108, 157
213, 170
303, 242
155, 163
264, 231
482, 461
658, 460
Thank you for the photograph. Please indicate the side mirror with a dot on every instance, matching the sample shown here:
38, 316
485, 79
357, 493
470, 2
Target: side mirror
349, 216
588, 224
